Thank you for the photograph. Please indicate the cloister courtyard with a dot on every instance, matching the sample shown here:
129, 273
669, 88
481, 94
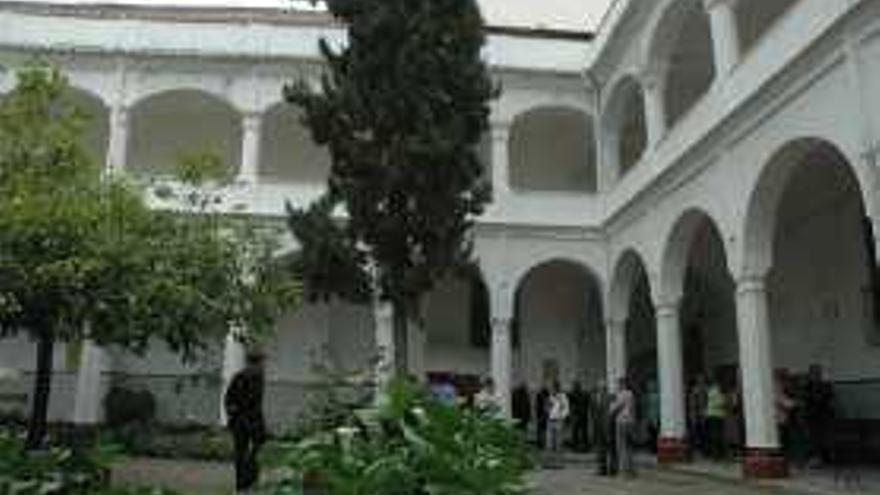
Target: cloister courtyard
685, 205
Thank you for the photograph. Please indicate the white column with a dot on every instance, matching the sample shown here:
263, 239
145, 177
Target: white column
725, 35
417, 342
756, 363
89, 385
615, 352
252, 124
384, 328
233, 362
669, 367
117, 146
502, 362
500, 161
655, 106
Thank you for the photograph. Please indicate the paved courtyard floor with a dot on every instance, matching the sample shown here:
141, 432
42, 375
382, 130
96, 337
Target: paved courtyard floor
576, 478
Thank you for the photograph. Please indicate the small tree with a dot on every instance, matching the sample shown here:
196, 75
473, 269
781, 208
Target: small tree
402, 108
82, 256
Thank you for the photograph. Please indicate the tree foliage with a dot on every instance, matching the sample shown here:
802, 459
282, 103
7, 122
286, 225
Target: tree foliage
402, 108
83, 256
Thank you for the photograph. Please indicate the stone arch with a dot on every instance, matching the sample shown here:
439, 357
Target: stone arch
629, 268
166, 124
552, 148
558, 323
624, 128
767, 193
676, 251
97, 125
755, 17
288, 152
679, 50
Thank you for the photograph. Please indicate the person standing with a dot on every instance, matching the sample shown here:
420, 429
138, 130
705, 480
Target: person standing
603, 428
716, 411
580, 417
652, 413
558, 412
696, 406
819, 412
243, 403
541, 407
521, 406
624, 413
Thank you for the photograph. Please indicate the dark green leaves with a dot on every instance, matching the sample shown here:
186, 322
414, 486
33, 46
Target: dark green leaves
402, 109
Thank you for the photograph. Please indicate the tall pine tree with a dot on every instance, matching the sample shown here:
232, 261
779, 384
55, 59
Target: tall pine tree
402, 108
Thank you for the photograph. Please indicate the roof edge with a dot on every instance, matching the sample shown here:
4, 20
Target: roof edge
238, 15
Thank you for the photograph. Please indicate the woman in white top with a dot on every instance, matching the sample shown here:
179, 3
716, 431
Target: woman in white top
558, 411
623, 409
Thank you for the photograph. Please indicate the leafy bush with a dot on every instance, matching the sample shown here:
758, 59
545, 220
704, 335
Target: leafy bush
411, 445
51, 472
60, 471
123, 406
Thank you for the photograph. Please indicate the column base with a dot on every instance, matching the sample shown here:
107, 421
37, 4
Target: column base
764, 463
672, 450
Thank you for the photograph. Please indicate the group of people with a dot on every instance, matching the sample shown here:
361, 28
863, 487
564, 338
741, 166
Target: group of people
597, 418
804, 413
600, 418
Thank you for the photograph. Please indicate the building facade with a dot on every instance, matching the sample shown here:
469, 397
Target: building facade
691, 191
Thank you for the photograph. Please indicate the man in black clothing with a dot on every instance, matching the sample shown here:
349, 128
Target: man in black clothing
580, 417
819, 412
244, 411
542, 402
521, 406
603, 431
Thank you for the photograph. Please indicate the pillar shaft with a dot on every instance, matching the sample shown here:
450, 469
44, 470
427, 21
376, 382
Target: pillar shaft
500, 160
725, 35
384, 328
762, 457
117, 146
252, 124
502, 363
615, 351
417, 342
233, 362
655, 106
669, 360
89, 385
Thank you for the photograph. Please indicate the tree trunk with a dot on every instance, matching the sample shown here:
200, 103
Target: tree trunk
42, 389
401, 339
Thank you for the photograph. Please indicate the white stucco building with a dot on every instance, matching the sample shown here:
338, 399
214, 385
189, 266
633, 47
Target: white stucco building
694, 190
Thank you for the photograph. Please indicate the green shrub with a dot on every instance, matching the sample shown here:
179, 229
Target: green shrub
411, 445
124, 406
52, 472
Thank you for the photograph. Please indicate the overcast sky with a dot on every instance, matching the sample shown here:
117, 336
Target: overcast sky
563, 14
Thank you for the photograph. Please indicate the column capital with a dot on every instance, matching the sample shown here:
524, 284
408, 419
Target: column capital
652, 75
712, 4
666, 309
501, 322
251, 121
749, 284
119, 113
615, 324
500, 130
